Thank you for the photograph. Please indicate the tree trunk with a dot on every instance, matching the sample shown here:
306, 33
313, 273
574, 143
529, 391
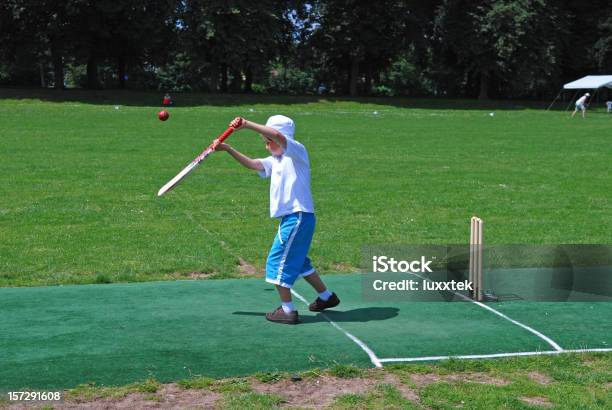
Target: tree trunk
236, 83
223, 78
214, 77
121, 71
248, 80
484, 86
92, 73
353, 76
58, 66
368, 81
43, 83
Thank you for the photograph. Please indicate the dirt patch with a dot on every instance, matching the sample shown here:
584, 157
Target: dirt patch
314, 393
425, 379
536, 401
245, 268
320, 392
608, 386
343, 268
169, 396
317, 393
197, 275
406, 391
481, 378
540, 378
189, 275
589, 362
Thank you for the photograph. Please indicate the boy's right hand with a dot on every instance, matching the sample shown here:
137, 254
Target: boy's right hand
223, 147
237, 123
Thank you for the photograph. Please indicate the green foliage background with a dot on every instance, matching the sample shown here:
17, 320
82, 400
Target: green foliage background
450, 48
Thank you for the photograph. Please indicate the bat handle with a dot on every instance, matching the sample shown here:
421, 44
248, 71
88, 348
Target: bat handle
226, 134
222, 137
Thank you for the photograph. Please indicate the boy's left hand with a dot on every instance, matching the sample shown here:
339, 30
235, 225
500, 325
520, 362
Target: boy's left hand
237, 123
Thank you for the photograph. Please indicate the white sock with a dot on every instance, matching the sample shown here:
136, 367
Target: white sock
288, 307
325, 295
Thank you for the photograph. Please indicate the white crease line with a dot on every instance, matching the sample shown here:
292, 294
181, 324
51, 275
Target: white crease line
491, 356
530, 329
535, 332
373, 358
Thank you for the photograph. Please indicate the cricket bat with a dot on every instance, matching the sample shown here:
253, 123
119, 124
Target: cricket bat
193, 165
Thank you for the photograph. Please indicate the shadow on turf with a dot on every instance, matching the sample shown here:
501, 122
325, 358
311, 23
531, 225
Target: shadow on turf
355, 315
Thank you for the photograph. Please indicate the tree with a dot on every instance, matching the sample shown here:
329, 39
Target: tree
39, 31
602, 49
511, 43
357, 39
125, 32
14, 40
583, 28
229, 40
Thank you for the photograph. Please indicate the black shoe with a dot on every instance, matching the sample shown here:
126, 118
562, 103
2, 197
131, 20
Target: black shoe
319, 305
279, 316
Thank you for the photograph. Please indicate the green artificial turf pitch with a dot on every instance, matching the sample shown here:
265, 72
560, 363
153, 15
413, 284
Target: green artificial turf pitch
80, 172
58, 337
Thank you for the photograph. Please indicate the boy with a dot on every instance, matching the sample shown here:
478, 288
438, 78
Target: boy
291, 201
581, 105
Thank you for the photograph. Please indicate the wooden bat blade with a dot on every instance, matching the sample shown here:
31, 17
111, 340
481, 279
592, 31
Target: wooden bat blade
187, 170
177, 179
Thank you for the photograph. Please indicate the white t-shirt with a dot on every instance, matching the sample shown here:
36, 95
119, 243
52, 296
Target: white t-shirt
581, 100
290, 180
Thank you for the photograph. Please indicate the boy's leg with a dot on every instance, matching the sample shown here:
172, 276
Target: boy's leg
284, 293
315, 281
285, 260
326, 299
285, 313
285, 297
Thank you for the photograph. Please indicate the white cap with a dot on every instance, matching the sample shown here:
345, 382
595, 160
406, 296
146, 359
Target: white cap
588, 95
283, 124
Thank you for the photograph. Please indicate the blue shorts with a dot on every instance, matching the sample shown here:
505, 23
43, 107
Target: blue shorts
288, 258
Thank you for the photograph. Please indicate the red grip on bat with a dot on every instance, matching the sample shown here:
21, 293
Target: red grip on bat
226, 134
223, 136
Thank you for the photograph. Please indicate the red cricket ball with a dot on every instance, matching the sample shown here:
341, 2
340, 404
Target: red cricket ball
163, 115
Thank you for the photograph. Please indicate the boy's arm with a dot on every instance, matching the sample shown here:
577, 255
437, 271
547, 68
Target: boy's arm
297, 150
247, 162
267, 132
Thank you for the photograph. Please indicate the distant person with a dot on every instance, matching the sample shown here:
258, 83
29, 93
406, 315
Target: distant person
581, 105
167, 100
321, 89
609, 106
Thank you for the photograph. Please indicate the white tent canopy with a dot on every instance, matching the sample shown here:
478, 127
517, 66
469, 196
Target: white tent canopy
590, 82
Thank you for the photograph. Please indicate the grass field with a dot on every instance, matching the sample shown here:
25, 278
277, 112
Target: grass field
80, 173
